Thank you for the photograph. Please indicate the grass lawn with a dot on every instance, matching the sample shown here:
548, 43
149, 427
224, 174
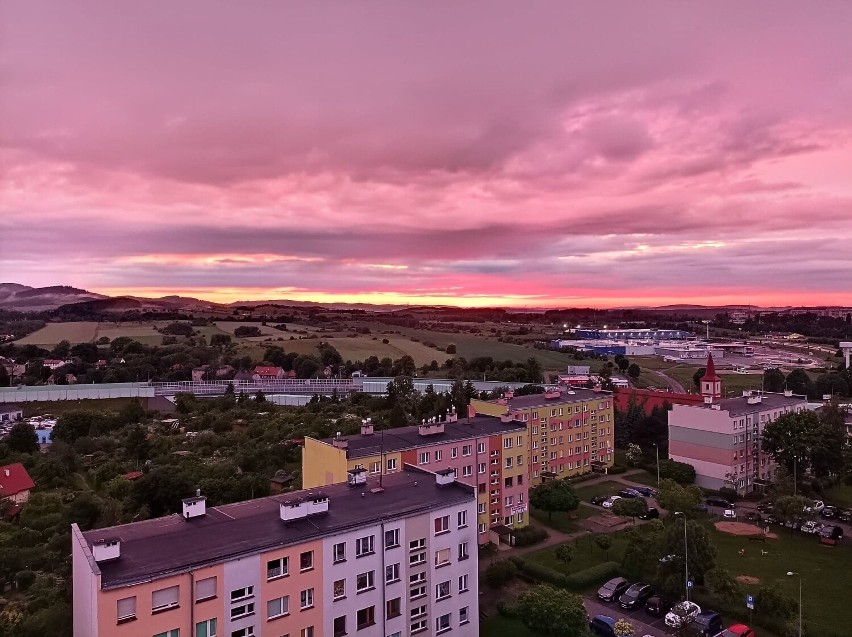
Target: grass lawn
607, 487
586, 554
52, 333
499, 626
646, 477
59, 407
840, 495
564, 522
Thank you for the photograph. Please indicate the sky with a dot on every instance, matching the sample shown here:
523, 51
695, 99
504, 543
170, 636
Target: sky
536, 154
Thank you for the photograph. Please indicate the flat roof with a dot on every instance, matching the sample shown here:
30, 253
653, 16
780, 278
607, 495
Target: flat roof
156, 548
401, 438
573, 395
740, 406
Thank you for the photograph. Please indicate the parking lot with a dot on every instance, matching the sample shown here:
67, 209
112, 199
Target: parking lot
643, 623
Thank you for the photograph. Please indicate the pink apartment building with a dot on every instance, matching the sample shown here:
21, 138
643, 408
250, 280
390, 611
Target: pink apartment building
378, 561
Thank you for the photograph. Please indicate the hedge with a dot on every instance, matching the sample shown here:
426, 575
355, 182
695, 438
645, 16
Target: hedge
529, 535
543, 573
616, 469
597, 574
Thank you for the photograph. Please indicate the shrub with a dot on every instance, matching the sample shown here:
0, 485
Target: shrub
24, 579
506, 609
529, 535
451, 349
542, 573
500, 572
680, 472
615, 470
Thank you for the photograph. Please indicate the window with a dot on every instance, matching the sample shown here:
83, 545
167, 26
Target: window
442, 524
339, 626
424, 457
277, 568
205, 589
454, 452
339, 552
418, 626
366, 617
164, 599
126, 609
481, 467
467, 471
418, 611
243, 610
364, 545
307, 598
306, 632
175, 632
463, 584
520, 480
365, 581
392, 538
438, 455
242, 593
306, 561
467, 450
392, 573
416, 593
206, 628
394, 607
414, 545
442, 557
461, 518
391, 464
442, 590
480, 528
248, 631
480, 448
339, 589
509, 463
278, 607
417, 558
375, 467
442, 624
417, 578
507, 443
481, 507
463, 554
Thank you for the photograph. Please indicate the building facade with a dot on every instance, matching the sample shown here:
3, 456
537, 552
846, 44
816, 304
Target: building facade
570, 431
389, 561
721, 437
486, 452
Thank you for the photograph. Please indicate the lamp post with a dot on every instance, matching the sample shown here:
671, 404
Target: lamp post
657, 448
795, 462
685, 554
791, 574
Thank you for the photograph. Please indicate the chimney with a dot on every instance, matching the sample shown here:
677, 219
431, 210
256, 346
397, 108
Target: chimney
597, 388
507, 417
445, 477
471, 411
788, 393
106, 549
7, 472
194, 507
452, 416
754, 400
430, 428
366, 427
341, 443
555, 393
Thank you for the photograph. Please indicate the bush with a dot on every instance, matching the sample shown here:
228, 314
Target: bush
24, 579
506, 609
487, 550
594, 575
246, 331
542, 573
680, 472
451, 349
615, 470
529, 535
500, 572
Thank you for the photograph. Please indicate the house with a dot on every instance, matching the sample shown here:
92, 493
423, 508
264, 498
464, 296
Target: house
54, 363
11, 413
243, 376
101, 363
268, 373
15, 483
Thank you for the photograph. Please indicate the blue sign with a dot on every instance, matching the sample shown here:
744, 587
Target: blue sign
750, 602
689, 583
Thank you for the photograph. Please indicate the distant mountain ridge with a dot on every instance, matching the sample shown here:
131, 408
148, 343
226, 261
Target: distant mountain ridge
23, 298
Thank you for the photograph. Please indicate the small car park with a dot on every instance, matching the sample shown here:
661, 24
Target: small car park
648, 492
613, 589
611, 501
650, 514
718, 502
636, 595
706, 624
629, 493
599, 499
602, 625
657, 606
681, 614
829, 512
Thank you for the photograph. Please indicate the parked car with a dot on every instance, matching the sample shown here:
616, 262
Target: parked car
737, 630
636, 595
829, 512
706, 623
831, 531
610, 501
629, 493
730, 514
816, 507
718, 502
809, 527
650, 514
613, 589
648, 492
599, 499
771, 519
766, 507
681, 614
657, 606
702, 506
602, 625
845, 515
794, 524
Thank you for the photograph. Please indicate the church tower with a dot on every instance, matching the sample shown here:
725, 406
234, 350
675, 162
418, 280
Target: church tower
711, 384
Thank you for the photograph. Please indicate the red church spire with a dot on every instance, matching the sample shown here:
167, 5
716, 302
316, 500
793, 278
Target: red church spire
710, 371
711, 384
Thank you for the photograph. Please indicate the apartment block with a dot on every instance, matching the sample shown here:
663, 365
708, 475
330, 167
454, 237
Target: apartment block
721, 438
570, 431
379, 560
486, 452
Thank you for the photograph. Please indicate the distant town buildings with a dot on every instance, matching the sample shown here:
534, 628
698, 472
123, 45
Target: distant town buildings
11, 413
398, 558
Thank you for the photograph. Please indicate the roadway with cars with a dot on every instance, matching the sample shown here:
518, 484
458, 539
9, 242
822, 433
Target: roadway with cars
643, 623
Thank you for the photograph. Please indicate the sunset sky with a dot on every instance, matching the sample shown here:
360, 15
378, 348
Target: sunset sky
471, 153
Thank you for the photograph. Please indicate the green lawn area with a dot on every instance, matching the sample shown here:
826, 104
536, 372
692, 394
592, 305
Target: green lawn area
840, 495
586, 554
564, 522
59, 407
645, 477
607, 487
499, 626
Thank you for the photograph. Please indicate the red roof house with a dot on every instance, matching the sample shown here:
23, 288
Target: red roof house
268, 373
15, 483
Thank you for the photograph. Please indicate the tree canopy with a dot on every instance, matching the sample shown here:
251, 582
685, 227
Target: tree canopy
553, 612
554, 496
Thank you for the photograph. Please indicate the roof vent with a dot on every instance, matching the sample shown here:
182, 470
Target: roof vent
716, 406
708, 400
310, 504
506, 417
367, 427
106, 549
453, 415
788, 393
509, 395
195, 506
445, 477
754, 400
339, 443
555, 393
430, 428
356, 476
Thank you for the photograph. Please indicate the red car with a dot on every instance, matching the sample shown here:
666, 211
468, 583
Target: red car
737, 630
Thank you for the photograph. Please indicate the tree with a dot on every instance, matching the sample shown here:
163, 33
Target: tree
680, 472
565, 553
702, 552
554, 495
23, 438
623, 363
773, 380
451, 349
634, 454
247, 331
633, 371
75, 424
791, 438
220, 340
136, 443
800, 383
623, 628
500, 572
724, 585
771, 601
161, 491
630, 508
790, 507
533, 370
553, 612
675, 497
697, 376
5, 381
604, 543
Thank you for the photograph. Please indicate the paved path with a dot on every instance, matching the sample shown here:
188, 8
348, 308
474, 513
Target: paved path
675, 386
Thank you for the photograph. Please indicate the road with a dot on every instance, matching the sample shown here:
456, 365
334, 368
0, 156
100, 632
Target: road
643, 623
675, 386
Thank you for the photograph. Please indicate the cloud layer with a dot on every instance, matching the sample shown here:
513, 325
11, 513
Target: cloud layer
471, 153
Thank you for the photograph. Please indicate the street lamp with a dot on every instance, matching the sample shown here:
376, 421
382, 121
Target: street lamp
657, 448
685, 554
791, 574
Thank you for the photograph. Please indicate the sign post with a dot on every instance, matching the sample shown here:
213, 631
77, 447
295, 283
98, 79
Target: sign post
750, 606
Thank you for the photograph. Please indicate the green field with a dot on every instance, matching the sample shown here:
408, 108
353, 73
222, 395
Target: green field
564, 522
53, 333
586, 554
59, 407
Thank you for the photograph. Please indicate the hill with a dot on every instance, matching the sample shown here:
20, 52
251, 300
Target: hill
23, 298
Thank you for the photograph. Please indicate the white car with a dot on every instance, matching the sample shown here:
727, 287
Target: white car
730, 514
816, 507
809, 527
613, 499
681, 614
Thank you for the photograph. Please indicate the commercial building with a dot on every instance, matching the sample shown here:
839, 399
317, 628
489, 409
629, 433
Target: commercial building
640, 334
400, 559
486, 452
721, 437
570, 431
11, 413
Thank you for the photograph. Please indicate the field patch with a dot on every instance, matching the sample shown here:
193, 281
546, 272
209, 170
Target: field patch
53, 333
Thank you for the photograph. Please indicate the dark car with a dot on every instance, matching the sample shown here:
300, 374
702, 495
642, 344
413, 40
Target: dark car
829, 512
845, 515
599, 499
657, 606
771, 519
832, 532
718, 502
629, 493
636, 595
648, 492
765, 507
612, 589
602, 625
706, 624
650, 514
